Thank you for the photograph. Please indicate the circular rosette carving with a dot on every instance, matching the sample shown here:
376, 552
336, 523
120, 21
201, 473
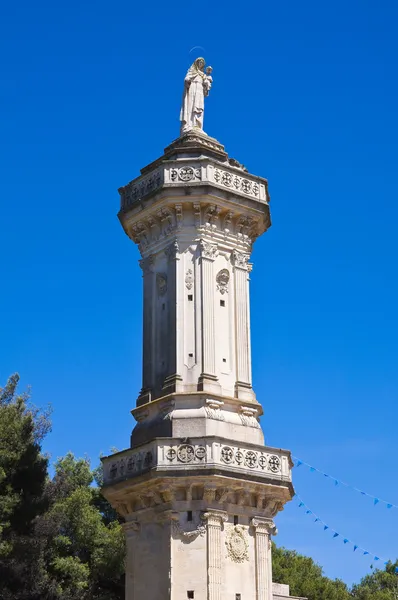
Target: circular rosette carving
226, 179
186, 173
251, 459
227, 454
274, 463
237, 544
185, 453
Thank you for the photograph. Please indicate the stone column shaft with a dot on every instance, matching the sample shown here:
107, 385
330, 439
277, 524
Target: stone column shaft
208, 253
215, 522
131, 529
263, 530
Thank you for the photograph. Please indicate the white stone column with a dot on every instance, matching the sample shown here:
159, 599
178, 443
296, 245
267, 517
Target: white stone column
263, 529
173, 376
215, 520
243, 385
208, 378
131, 530
148, 274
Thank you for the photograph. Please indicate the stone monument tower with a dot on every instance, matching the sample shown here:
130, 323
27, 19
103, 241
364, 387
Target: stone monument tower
197, 487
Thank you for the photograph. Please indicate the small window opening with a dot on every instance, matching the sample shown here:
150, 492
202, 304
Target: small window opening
236, 521
163, 306
222, 302
189, 515
190, 355
190, 298
190, 594
237, 597
224, 360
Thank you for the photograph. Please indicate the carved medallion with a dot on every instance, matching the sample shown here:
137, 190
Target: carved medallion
171, 454
200, 452
189, 279
227, 454
161, 283
222, 279
237, 544
274, 464
185, 453
251, 459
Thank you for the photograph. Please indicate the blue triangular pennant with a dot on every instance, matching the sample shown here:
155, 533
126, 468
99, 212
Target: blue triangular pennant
299, 463
375, 501
346, 541
308, 512
355, 548
312, 469
336, 535
365, 553
325, 527
377, 558
389, 505
336, 482
301, 504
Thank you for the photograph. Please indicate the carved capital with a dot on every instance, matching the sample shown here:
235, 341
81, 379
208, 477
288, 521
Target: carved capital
172, 251
215, 518
147, 263
131, 528
264, 526
209, 251
240, 260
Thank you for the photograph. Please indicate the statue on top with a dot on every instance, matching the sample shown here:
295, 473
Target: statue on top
197, 85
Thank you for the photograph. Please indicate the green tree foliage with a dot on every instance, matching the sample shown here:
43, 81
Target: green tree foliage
83, 550
61, 540
380, 585
23, 472
305, 577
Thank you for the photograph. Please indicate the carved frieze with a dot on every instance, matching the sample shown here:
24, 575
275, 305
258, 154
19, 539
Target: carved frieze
185, 174
251, 459
233, 181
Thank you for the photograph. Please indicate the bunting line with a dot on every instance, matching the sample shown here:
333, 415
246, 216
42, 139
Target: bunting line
336, 534
376, 500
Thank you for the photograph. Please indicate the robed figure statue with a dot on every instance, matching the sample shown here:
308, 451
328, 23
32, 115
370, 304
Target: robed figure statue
196, 86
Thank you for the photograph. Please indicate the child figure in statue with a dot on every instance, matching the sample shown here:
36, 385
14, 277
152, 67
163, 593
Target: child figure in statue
208, 80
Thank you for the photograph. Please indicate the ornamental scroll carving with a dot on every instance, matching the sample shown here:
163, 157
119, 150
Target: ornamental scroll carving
237, 544
187, 535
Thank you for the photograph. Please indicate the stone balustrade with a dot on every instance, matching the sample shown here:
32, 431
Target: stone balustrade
194, 172
165, 454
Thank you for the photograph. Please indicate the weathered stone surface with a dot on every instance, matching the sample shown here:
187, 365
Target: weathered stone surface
198, 489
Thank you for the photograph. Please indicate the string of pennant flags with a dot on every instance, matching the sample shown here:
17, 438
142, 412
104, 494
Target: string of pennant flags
337, 482
346, 541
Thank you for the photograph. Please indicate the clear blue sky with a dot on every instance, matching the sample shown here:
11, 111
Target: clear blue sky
305, 94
